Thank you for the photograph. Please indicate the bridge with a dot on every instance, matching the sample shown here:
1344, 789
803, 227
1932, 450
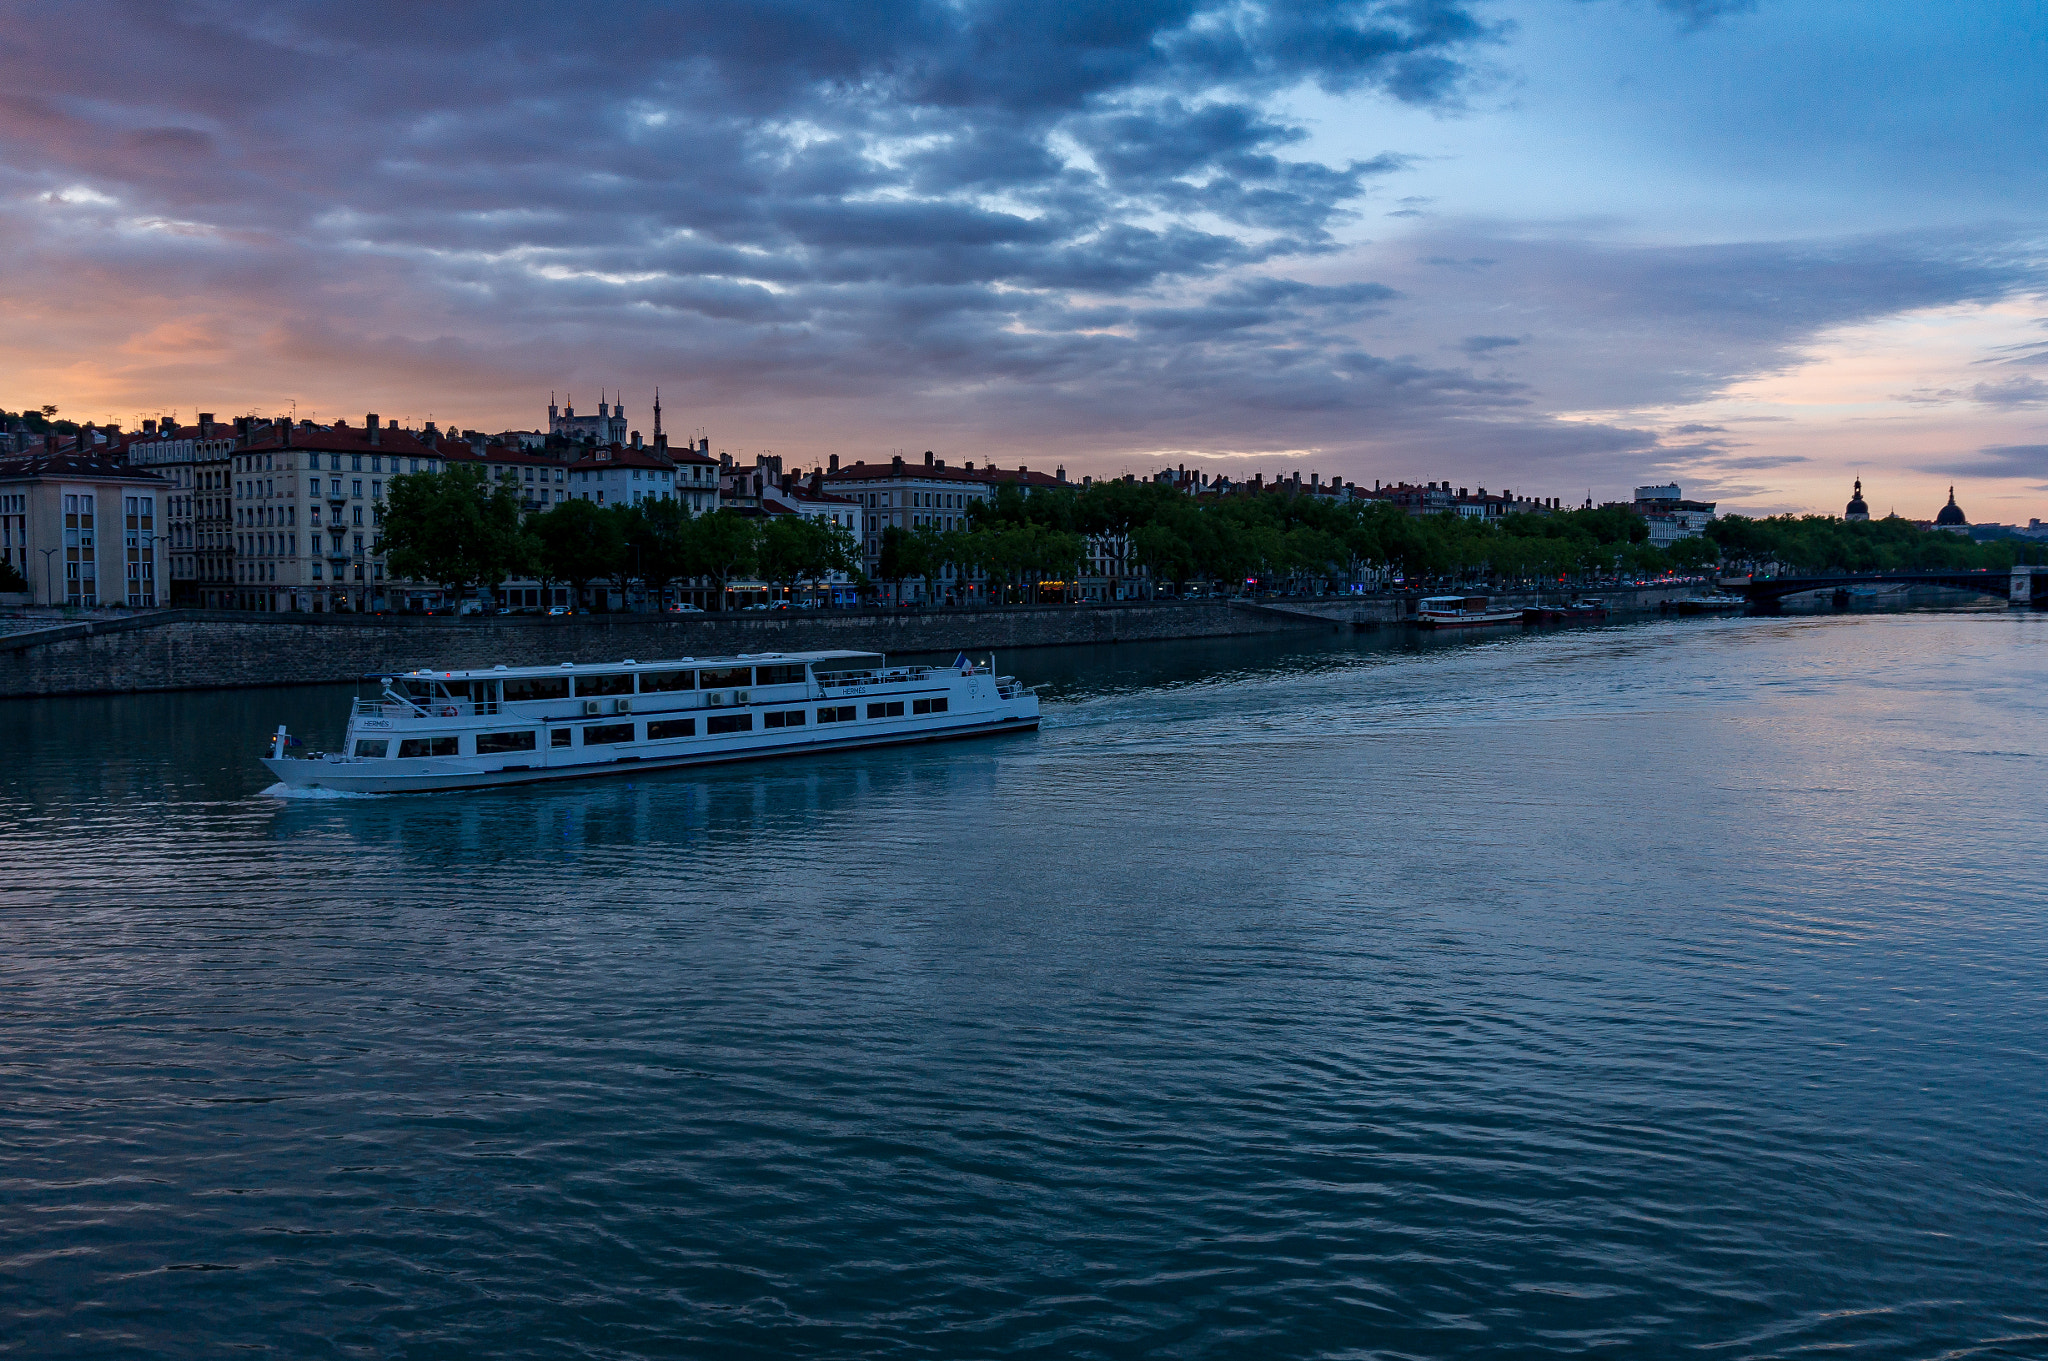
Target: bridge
2020, 585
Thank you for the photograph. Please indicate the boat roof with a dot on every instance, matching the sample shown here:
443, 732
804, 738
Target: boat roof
627, 664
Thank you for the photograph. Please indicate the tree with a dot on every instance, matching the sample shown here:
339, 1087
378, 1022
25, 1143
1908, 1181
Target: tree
723, 545
808, 549
578, 543
657, 530
889, 564
452, 527
11, 579
784, 549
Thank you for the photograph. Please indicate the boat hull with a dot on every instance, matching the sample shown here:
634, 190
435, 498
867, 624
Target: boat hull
353, 776
1490, 619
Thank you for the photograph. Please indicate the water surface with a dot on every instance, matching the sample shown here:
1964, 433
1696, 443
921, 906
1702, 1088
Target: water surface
1620, 990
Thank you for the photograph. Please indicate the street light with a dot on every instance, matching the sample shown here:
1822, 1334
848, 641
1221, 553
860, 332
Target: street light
49, 574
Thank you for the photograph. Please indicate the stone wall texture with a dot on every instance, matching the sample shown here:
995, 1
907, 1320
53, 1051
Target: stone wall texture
198, 649
193, 649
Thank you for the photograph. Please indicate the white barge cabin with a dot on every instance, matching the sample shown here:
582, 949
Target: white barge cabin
431, 730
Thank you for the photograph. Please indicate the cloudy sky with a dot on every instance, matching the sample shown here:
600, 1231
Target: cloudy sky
1559, 246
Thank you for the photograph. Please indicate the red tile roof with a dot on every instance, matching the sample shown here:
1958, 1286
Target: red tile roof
857, 472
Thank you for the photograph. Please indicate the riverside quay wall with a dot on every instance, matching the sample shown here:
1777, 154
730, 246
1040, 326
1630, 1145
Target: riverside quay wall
200, 649
196, 649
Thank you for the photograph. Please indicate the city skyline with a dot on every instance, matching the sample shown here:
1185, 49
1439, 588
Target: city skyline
1761, 250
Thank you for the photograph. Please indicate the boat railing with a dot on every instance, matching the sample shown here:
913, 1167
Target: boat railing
885, 676
1008, 687
425, 708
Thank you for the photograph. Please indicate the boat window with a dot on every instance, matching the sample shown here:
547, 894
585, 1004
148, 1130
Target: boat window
671, 727
598, 734
779, 675
430, 746
789, 718
718, 677
558, 737
604, 685
659, 682
536, 687
729, 723
928, 706
488, 742
457, 689
893, 709
372, 746
844, 713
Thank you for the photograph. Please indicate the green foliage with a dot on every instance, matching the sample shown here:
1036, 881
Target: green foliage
577, 542
723, 545
656, 534
1810, 544
453, 527
11, 579
796, 548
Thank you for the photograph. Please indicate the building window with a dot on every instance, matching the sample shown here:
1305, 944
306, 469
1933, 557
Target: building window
664, 728
724, 723
893, 709
604, 734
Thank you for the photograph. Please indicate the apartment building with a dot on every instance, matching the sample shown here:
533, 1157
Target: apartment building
85, 529
909, 495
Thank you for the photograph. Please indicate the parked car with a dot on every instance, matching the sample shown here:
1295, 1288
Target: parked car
554, 610
684, 609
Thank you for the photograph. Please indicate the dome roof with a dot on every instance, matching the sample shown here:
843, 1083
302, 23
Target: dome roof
1951, 514
1858, 510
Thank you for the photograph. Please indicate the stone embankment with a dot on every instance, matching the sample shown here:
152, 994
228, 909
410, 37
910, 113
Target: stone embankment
196, 649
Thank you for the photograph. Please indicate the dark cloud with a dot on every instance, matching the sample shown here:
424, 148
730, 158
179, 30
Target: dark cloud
2028, 461
1758, 462
994, 223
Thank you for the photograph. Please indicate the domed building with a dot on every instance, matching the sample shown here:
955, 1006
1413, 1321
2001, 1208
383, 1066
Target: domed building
1857, 509
1951, 516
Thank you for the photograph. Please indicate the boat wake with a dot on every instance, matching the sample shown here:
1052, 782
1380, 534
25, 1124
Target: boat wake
282, 790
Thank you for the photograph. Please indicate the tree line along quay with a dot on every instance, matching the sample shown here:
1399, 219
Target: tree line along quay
290, 515
457, 529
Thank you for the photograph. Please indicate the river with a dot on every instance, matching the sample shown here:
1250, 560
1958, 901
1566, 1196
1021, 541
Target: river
1622, 990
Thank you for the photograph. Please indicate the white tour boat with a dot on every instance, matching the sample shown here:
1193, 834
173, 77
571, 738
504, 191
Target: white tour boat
512, 725
1461, 611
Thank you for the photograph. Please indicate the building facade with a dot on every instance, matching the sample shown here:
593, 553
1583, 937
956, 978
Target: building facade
84, 529
906, 496
1670, 516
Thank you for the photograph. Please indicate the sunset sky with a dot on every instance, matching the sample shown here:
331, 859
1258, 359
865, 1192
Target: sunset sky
1560, 246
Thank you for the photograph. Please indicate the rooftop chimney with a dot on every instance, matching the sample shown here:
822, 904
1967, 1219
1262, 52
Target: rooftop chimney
206, 425
896, 463
1061, 473
835, 463
927, 458
376, 431
149, 427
